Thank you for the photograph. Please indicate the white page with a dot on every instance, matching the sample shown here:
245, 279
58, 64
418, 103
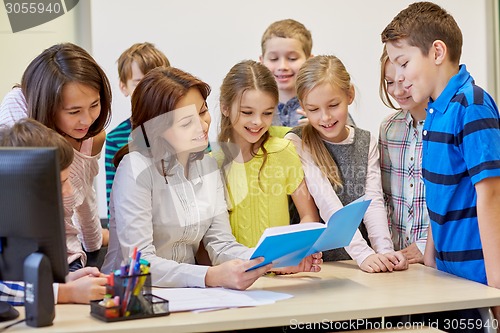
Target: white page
189, 299
285, 229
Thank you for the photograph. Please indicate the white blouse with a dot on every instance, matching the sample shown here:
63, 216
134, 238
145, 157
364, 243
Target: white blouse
166, 222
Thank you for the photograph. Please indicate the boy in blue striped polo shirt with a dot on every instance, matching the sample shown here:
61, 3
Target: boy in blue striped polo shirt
133, 64
461, 143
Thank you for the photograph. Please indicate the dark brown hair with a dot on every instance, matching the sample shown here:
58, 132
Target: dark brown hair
422, 23
158, 93
44, 78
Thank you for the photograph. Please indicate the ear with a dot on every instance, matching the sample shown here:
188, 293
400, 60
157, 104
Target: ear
311, 56
439, 51
261, 60
351, 94
123, 89
224, 110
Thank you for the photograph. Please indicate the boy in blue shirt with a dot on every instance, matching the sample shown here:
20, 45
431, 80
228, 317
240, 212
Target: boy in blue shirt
461, 150
133, 64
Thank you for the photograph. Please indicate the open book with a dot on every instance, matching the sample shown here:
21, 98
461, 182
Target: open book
288, 245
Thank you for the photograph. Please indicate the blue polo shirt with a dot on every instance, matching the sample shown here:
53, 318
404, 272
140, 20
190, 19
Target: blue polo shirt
461, 147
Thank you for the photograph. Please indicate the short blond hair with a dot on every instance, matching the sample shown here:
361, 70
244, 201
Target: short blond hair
147, 57
288, 29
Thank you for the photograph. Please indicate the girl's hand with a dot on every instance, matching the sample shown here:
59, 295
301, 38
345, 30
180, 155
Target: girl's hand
310, 263
86, 271
413, 254
388, 262
234, 274
399, 260
304, 120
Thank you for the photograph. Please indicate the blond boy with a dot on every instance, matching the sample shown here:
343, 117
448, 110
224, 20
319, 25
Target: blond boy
133, 64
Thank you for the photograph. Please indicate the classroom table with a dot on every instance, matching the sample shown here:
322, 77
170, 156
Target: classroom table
341, 291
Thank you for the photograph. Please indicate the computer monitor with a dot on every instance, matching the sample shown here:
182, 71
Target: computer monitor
31, 219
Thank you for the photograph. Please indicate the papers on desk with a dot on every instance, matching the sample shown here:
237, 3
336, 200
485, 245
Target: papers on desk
288, 245
189, 299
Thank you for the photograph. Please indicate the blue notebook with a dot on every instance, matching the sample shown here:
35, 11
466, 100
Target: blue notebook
288, 245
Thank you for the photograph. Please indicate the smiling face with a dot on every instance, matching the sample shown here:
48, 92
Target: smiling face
284, 57
396, 90
326, 107
252, 117
79, 109
191, 121
414, 70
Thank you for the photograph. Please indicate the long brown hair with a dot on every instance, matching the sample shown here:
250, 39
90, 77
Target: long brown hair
157, 94
43, 80
314, 72
245, 75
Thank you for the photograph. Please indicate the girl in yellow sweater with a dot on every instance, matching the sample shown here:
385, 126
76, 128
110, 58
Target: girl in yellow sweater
259, 170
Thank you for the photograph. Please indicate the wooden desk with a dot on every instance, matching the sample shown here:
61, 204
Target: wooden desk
341, 291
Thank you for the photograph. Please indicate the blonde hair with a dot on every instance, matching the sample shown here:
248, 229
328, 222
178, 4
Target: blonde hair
383, 93
314, 72
288, 29
147, 57
245, 75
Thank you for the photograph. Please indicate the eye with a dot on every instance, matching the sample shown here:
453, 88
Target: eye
248, 113
270, 113
404, 65
312, 110
389, 83
95, 105
73, 112
186, 124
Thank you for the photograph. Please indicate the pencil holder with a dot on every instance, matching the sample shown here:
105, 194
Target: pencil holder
129, 297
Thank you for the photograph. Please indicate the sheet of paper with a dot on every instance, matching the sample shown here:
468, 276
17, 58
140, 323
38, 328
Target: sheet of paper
189, 299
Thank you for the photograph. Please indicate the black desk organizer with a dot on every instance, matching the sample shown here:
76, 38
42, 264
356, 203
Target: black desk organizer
142, 304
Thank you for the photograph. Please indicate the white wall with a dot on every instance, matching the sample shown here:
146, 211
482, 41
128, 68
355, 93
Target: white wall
206, 38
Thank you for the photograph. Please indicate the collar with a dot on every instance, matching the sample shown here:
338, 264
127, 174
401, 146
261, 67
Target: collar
294, 101
409, 120
451, 89
194, 175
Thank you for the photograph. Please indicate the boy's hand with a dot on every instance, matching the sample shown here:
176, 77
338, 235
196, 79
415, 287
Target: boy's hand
82, 287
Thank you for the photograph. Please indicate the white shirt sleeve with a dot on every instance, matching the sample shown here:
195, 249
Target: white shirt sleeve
375, 218
55, 287
132, 195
